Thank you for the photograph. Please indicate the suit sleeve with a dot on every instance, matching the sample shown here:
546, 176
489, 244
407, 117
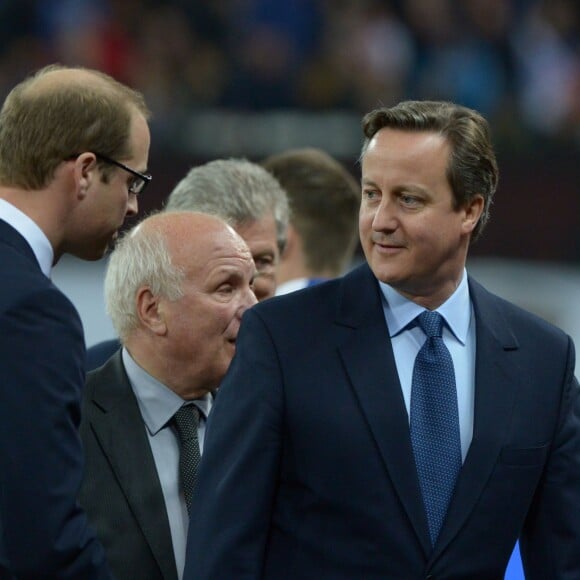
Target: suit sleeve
238, 474
45, 533
550, 542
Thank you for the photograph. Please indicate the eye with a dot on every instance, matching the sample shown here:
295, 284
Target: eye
265, 264
371, 194
225, 289
409, 200
135, 185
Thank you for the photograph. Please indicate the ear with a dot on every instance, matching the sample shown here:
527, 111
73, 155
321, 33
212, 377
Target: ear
473, 211
85, 172
150, 311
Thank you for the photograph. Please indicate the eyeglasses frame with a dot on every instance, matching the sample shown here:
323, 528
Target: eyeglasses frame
145, 177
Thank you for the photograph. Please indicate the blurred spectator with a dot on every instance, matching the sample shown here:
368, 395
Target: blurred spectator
517, 61
546, 46
373, 48
322, 234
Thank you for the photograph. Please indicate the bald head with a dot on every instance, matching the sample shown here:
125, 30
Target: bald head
161, 252
192, 238
176, 288
181, 224
53, 77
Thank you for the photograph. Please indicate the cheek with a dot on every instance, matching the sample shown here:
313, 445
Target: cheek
365, 220
264, 287
219, 321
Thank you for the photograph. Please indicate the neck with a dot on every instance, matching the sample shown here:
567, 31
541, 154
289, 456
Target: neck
45, 207
155, 361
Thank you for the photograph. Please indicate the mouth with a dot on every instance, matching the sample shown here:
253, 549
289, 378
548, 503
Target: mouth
388, 248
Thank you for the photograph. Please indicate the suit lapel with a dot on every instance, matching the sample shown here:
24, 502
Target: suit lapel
370, 364
496, 381
122, 435
12, 237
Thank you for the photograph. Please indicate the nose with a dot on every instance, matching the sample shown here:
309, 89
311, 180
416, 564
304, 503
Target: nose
385, 218
132, 206
248, 300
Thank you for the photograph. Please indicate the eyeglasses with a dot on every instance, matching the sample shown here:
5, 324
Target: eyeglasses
140, 180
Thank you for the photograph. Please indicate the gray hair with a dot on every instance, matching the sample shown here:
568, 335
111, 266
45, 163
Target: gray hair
235, 190
141, 258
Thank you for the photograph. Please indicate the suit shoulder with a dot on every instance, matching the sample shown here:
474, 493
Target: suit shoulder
527, 325
27, 282
107, 381
301, 302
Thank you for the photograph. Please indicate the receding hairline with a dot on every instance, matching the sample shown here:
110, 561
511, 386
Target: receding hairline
54, 78
166, 222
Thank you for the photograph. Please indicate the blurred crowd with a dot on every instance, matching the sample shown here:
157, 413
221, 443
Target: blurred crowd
517, 61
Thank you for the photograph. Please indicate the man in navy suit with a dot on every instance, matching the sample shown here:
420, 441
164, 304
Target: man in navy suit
74, 145
311, 454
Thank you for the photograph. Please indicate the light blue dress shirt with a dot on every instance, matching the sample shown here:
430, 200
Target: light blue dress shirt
458, 335
158, 404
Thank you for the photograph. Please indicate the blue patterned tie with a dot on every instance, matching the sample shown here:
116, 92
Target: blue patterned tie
435, 422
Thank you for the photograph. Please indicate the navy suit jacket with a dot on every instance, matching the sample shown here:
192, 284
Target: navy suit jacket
42, 354
121, 491
308, 469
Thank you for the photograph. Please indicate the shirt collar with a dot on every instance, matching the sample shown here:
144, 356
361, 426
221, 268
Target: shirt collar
456, 310
30, 231
157, 402
291, 286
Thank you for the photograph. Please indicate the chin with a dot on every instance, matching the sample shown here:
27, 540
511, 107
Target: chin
102, 251
89, 254
384, 274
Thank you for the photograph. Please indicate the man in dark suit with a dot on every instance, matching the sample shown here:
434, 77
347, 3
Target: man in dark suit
401, 422
176, 288
323, 228
73, 146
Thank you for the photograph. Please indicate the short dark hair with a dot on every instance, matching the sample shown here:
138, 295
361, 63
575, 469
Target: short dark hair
472, 167
324, 199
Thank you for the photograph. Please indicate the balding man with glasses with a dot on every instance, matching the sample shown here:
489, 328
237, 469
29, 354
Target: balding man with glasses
74, 145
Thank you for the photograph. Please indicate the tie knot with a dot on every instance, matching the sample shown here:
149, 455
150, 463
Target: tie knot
431, 323
186, 421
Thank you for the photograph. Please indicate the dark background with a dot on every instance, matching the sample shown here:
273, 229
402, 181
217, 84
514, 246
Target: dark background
247, 78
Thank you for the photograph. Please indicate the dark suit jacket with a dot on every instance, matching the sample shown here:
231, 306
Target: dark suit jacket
308, 469
42, 354
121, 492
100, 353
